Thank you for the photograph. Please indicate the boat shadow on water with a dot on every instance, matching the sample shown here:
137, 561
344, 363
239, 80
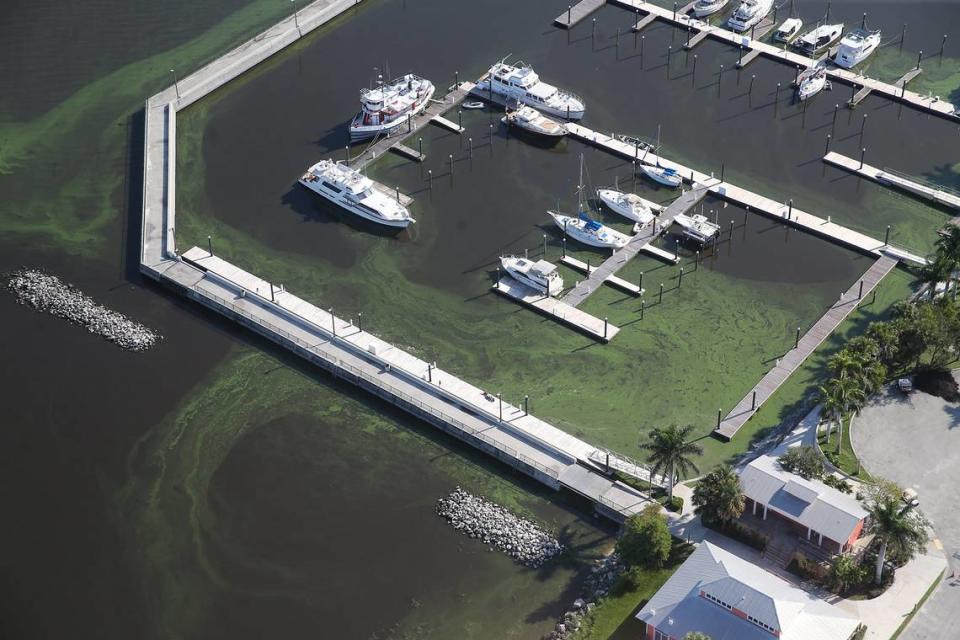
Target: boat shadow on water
547, 143
314, 208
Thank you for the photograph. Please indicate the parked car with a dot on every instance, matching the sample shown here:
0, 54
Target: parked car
905, 385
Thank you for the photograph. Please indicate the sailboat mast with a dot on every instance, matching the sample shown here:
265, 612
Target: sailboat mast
580, 187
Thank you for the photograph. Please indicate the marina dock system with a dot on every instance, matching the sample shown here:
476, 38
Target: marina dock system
577, 13
556, 309
613, 281
938, 194
753, 45
867, 90
758, 204
837, 313
647, 235
346, 350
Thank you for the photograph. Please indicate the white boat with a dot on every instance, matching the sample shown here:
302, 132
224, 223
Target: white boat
588, 231
520, 83
663, 175
856, 46
387, 106
749, 13
540, 275
697, 227
811, 82
704, 8
529, 119
788, 30
473, 104
356, 193
820, 38
629, 205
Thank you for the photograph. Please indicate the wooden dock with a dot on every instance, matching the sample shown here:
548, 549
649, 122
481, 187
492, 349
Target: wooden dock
406, 151
859, 96
556, 309
758, 204
792, 360
394, 193
930, 104
578, 13
609, 267
613, 281
447, 124
937, 194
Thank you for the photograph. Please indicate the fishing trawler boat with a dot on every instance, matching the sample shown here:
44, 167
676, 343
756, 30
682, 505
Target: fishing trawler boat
521, 83
589, 231
856, 46
629, 205
818, 39
697, 227
811, 82
540, 275
663, 175
529, 119
749, 13
788, 30
387, 106
704, 8
356, 193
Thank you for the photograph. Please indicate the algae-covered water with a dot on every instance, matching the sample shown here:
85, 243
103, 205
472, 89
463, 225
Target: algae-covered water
214, 486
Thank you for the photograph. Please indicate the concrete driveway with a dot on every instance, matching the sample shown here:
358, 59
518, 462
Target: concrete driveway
915, 441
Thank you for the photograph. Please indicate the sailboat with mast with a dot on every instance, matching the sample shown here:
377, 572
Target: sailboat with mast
586, 230
663, 175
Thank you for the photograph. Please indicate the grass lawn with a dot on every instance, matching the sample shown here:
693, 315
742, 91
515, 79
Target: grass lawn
613, 616
847, 460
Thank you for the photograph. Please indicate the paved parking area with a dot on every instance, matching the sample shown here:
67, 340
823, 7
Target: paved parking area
915, 441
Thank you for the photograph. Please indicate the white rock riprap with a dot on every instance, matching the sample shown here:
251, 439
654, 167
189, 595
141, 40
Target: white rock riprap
493, 525
45, 292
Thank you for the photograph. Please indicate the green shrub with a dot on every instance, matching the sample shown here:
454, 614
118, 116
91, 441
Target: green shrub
846, 574
803, 461
675, 505
837, 483
646, 540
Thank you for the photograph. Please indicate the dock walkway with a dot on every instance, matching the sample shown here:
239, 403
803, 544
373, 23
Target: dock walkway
936, 193
556, 309
757, 203
812, 339
929, 104
859, 96
578, 13
647, 235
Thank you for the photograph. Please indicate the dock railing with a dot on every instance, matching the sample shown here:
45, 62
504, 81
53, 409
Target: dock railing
924, 182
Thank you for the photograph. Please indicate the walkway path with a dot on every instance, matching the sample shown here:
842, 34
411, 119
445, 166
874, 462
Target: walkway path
938, 194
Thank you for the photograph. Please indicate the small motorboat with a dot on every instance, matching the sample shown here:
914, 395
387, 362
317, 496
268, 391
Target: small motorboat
748, 14
856, 46
704, 8
540, 275
473, 104
629, 205
697, 227
589, 232
788, 30
529, 119
818, 39
663, 175
811, 82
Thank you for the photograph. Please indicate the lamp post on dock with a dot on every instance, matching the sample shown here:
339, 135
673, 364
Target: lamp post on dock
796, 340
360, 321
500, 401
943, 44
526, 405
296, 19
176, 85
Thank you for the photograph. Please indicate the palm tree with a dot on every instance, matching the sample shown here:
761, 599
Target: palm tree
948, 246
670, 452
845, 364
850, 396
901, 530
831, 407
718, 497
938, 270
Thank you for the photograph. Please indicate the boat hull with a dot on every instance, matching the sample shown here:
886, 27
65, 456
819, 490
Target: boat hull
672, 181
609, 198
570, 227
399, 223
703, 11
850, 60
360, 131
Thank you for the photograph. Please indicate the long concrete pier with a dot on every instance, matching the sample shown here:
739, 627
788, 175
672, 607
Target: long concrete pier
930, 104
813, 338
757, 203
935, 193
506, 431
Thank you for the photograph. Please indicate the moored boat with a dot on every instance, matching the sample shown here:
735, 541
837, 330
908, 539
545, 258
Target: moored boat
589, 231
811, 82
354, 192
856, 46
388, 106
704, 8
529, 119
663, 175
520, 83
749, 13
697, 227
788, 30
820, 38
473, 104
540, 275
629, 205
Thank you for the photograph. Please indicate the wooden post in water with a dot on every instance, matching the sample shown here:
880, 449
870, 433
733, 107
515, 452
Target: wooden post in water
500, 401
863, 152
526, 405
660, 301
409, 123
776, 102
680, 279
746, 214
460, 119
796, 341
348, 154
430, 178
740, 58
886, 238
723, 166
451, 163
719, 79
333, 321
605, 324
790, 209
210, 246
563, 245
836, 109
398, 194
826, 150
497, 285
360, 320
641, 281
903, 35
470, 147
919, 58
753, 405
429, 372
943, 43
719, 417
544, 246
642, 39
694, 69
643, 305
420, 143
669, 51
593, 31
689, 31
569, 12
860, 294
674, 11
796, 76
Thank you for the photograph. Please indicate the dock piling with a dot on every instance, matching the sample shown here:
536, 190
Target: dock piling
460, 119
903, 35
680, 279
569, 11
826, 149
863, 23
176, 85
836, 109
753, 404
643, 305
210, 246
886, 238
674, 11
451, 163
863, 152
642, 39
544, 246
719, 79
746, 214
676, 250
790, 209
943, 43
333, 318
860, 294
723, 166
731, 230
498, 278
719, 417
526, 405
753, 31
429, 372
660, 300
430, 178
348, 154
500, 401
618, 38
640, 285
796, 76
593, 31
750, 90
740, 58
694, 69
398, 193
796, 340
689, 31
669, 51
919, 58
605, 325
360, 320
776, 102
563, 245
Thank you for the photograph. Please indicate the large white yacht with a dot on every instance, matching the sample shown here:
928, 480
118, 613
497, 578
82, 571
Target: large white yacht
521, 83
529, 119
356, 193
665, 176
704, 8
749, 13
589, 232
540, 275
818, 39
856, 46
629, 205
388, 105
